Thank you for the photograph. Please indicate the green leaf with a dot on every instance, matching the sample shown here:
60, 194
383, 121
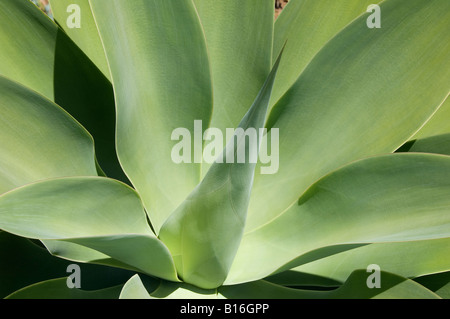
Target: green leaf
171, 290
39, 140
439, 283
392, 287
57, 289
438, 124
94, 212
240, 55
148, 45
407, 259
391, 198
42, 57
341, 108
437, 144
136, 289
86, 36
308, 25
204, 233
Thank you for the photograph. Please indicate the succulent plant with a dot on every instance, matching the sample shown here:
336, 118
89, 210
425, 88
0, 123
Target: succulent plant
355, 114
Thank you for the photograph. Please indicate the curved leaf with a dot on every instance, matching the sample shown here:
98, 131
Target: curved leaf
136, 289
397, 197
86, 36
95, 212
39, 140
42, 57
438, 124
341, 108
439, 283
438, 144
171, 290
57, 289
144, 56
204, 233
240, 55
392, 287
307, 25
407, 259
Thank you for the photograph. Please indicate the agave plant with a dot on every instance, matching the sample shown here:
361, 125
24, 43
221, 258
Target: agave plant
89, 104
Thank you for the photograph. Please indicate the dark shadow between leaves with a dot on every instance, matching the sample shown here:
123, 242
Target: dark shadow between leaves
84, 92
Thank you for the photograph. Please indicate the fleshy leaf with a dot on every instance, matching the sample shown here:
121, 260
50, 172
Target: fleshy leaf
204, 232
39, 140
391, 198
99, 213
367, 92
145, 54
57, 289
40, 55
86, 36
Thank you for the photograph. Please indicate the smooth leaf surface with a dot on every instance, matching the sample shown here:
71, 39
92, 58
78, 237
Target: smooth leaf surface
365, 93
204, 233
95, 212
307, 25
240, 55
161, 76
57, 289
134, 288
86, 36
39, 140
42, 57
437, 144
391, 198
438, 124
171, 290
407, 259
439, 283
393, 287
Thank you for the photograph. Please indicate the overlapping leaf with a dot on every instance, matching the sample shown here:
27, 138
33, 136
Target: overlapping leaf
39, 55
398, 197
94, 212
204, 232
161, 76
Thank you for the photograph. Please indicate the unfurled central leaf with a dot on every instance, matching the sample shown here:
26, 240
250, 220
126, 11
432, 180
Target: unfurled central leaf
204, 233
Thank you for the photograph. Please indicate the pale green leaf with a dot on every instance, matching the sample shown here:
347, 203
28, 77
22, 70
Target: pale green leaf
438, 124
407, 259
39, 55
171, 290
57, 289
134, 288
39, 140
397, 197
204, 233
94, 212
438, 144
392, 287
240, 55
160, 71
86, 36
365, 93
308, 25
